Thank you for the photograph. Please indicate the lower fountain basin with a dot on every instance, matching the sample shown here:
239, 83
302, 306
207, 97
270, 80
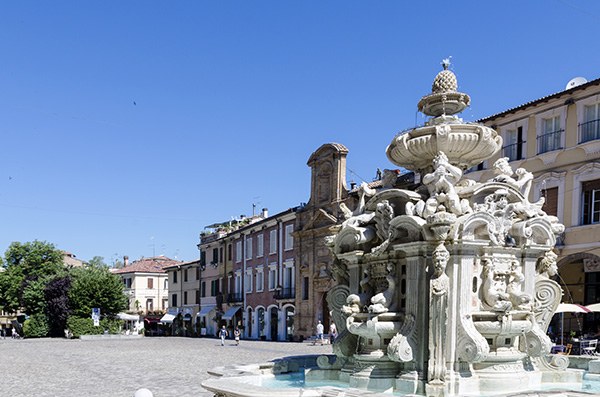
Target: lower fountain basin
301, 377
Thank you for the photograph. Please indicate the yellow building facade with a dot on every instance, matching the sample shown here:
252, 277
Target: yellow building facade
557, 138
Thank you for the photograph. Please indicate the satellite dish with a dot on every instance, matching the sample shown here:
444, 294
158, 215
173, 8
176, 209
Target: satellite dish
574, 82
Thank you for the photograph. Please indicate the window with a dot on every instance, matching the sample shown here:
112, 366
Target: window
203, 289
551, 204
551, 135
273, 242
221, 255
174, 300
289, 239
260, 245
590, 128
260, 280
150, 283
185, 297
238, 282
305, 288
166, 286
215, 256
127, 282
202, 258
513, 148
590, 202
149, 305
214, 287
272, 277
249, 248
238, 251
229, 253
248, 281
198, 273
197, 297
175, 277
185, 275
288, 277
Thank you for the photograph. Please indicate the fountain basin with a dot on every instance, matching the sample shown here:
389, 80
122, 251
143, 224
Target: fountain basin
465, 145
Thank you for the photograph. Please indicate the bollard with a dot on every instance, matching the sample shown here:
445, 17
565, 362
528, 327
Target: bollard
143, 393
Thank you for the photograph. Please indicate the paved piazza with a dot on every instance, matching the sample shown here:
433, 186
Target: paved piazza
167, 366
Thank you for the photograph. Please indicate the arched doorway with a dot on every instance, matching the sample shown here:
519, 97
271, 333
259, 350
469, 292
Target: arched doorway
274, 317
289, 313
260, 319
325, 311
249, 321
579, 277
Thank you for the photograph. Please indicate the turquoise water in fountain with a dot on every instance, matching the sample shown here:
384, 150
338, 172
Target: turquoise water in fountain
298, 380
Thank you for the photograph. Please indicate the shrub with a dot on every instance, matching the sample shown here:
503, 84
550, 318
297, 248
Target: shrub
36, 326
85, 326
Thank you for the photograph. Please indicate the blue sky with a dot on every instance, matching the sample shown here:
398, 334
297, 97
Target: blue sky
129, 126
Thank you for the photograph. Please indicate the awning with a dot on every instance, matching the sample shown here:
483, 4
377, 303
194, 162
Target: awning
205, 310
129, 317
230, 312
167, 318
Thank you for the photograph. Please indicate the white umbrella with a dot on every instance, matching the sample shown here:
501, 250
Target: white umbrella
572, 308
595, 307
568, 308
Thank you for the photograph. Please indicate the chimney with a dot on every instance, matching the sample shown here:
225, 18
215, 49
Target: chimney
265, 213
125, 261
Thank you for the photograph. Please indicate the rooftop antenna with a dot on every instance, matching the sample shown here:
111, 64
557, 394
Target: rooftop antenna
254, 205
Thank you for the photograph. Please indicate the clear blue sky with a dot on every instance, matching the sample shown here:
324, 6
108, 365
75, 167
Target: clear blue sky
128, 126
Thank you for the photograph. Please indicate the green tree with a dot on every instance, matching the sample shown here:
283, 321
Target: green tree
96, 287
97, 261
26, 266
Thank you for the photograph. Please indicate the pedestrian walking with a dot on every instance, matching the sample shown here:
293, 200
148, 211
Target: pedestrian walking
236, 334
320, 329
223, 335
332, 332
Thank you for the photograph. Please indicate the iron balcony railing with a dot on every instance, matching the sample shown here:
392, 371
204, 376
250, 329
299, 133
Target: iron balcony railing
550, 141
589, 131
235, 297
285, 293
512, 151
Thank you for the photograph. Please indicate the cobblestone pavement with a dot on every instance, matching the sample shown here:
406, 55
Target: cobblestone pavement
167, 366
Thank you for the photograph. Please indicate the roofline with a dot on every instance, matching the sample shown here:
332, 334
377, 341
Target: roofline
241, 230
540, 100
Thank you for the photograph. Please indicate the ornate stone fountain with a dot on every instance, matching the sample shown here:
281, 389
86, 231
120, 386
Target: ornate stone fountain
445, 291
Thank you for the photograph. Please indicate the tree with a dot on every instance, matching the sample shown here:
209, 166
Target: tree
26, 266
96, 287
97, 261
56, 295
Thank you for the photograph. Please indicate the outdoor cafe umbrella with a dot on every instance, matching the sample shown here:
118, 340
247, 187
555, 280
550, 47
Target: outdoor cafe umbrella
568, 308
594, 307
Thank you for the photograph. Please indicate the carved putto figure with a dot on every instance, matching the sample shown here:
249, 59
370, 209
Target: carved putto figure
383, 301
518, 298
442, 193
494, 287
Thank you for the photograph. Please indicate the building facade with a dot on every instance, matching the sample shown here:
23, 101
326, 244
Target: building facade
557, 138
248, 276
146, 284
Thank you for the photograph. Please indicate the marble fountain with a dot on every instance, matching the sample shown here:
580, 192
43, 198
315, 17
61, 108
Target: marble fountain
442, 291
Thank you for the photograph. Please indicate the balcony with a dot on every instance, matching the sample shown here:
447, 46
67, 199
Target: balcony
549, 141
235, 297
284, 293
589, 131
513, 151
